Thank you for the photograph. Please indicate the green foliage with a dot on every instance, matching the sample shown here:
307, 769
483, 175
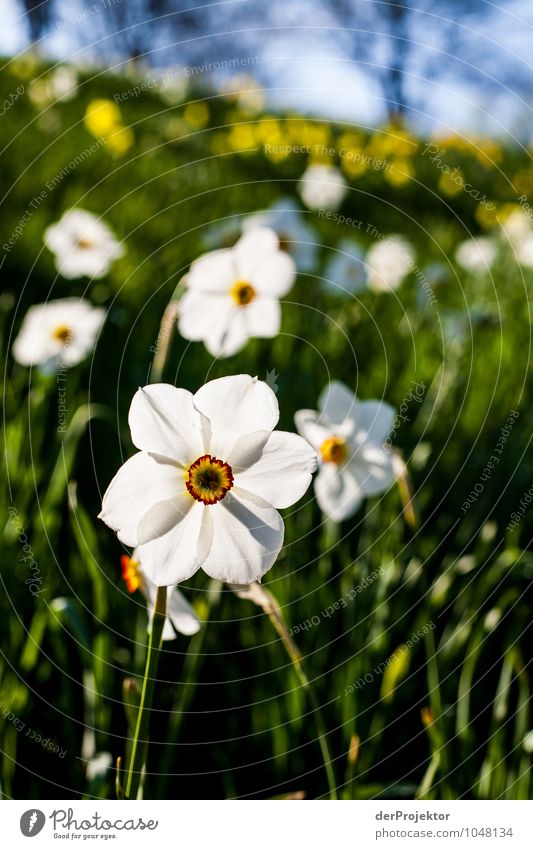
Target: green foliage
232, 719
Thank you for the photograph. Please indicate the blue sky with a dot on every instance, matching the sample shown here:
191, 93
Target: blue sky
309, 72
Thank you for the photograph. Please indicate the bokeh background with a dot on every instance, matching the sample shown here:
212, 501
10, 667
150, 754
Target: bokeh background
201, 109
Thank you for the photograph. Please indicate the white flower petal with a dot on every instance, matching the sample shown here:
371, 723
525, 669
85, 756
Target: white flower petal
252, 249
213, 272
283, 473
309, 426
262, 317
337, 403
338, 492
164, 421
246, 535
204, 315
161, 517
236, 406
139, 484
247, 450
228, 335
274, 276
180, 614
373, 467
174, 557
374, 421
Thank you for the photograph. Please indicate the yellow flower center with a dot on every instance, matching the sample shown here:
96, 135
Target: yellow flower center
131, 573
333, 449
208, 479
83, 243
63, 333
242, 292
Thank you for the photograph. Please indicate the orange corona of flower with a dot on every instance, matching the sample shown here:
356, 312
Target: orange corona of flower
209, 479
333, 450
130, 573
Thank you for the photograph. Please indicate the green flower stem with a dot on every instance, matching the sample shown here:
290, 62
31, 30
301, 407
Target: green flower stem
272, 609
140, 739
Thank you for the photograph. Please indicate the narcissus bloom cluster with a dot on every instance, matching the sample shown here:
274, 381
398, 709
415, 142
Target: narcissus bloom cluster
58, 333
233, 294
82, 244
205, 488
322, 186
348, 436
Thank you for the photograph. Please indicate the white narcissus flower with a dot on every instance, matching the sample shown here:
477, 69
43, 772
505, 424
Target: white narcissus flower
233, 294
517, 230
205, 488
348, 436
294, 234
82, 244
477, 255
322, 187
180, 615
389, 262
58, 334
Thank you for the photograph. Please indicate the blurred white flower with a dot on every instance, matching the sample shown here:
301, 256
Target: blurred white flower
180, 614
233, 294
58, 334
294, 234
246, 90
98, 766
524, 251
388, 262
517, 229
348, 436
476, 255
204, 489
346, 272
322, 187
83, 245
63, 83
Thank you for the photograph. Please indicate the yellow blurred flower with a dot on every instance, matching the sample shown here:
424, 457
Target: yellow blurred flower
399, 172
353, 163
487, 216
102, 117
242, 137
390, 141
451, 183
196, 115
103, 120
268, 131
523, 181
315, 135
121, 140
